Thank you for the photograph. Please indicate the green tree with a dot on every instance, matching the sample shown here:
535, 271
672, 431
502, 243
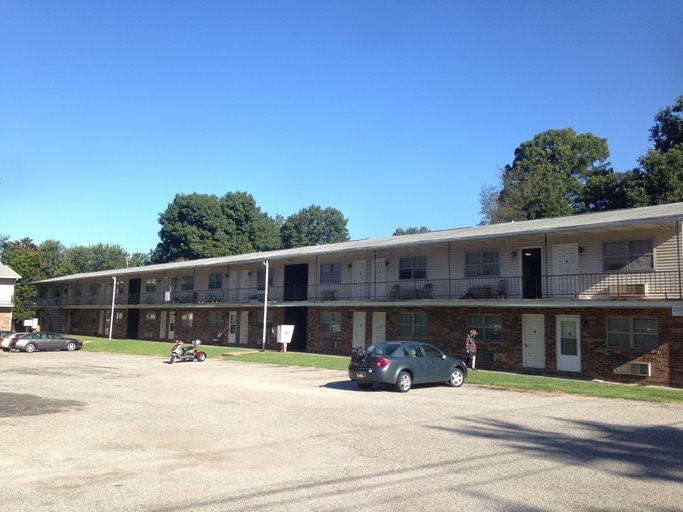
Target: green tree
53, 258
198, 226
25, 258
659, 179
140, 259
410, 231
314, 226
547, 177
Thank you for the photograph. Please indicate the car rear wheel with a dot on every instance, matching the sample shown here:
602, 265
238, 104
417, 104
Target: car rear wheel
30, 347
457, 378
71, 346
364, 385
404, 382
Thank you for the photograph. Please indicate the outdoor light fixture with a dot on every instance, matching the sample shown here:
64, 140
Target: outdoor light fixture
349, 266
513, 254
386, 262
580, 250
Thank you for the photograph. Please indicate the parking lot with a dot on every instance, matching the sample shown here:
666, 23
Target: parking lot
89, 431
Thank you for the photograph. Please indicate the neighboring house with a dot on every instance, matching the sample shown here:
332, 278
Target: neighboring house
594, 296
7, 279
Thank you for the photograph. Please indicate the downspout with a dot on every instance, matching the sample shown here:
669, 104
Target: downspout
374, 274
449, 270
545, 257
680, 263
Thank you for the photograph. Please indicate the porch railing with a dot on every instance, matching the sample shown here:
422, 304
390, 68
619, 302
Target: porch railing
599, 286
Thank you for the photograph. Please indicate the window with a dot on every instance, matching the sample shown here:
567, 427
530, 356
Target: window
186, 319
479, 264
625, 332
77, 290
215, 320
93, 289
119, 317
330, 322
330, 273
259, 320
187, 283
413, 324
215, 281
149, 318
489, 327
624, 256
412, 268
261, 278
150, 285
92, 317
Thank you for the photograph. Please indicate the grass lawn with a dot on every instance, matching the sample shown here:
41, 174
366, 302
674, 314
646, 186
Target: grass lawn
513, 381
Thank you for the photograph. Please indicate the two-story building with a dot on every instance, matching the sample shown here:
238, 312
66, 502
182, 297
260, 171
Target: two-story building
596, 295
8, 278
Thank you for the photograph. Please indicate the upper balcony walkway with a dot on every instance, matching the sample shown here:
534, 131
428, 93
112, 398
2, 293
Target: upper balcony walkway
603, 286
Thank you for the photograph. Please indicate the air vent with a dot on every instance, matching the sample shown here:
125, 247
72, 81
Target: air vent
486, 357
635, 289
640, 369
329, 344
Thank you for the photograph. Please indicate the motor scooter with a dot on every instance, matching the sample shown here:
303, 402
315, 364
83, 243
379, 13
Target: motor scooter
186, 352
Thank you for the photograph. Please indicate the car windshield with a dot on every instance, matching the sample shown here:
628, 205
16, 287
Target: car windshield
382, 349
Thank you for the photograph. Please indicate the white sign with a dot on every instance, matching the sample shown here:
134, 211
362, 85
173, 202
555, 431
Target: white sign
284, 333
676, 310
31, 322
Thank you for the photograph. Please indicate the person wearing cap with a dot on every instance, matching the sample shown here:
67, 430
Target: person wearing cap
471, 348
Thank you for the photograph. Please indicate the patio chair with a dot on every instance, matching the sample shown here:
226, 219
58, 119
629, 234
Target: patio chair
426, 292
500, 291
395, 292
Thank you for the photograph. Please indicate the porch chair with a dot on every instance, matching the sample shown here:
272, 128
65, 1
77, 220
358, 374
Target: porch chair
426, 292
395, 292
500, 291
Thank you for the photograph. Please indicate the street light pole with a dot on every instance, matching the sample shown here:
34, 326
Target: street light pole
111, 315
265, 308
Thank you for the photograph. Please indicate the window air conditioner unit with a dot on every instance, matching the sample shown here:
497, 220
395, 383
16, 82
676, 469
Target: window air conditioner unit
635, 289
329, 344
639, 369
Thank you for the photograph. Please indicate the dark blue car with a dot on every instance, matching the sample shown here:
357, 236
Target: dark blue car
404, 363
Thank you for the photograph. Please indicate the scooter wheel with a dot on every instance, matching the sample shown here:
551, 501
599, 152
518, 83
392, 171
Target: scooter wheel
172, 359
201, 356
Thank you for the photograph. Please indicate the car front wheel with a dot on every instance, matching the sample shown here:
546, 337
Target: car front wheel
30, 347
404, 382
457, 378
71, 346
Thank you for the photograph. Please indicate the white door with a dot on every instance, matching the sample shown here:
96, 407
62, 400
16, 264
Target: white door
171, 325
379, 327
233, 285
244, 285
360, 281
566, 269
533, 327
244, 327
232, 327
568, 343
358, 329
380, 278
162, 325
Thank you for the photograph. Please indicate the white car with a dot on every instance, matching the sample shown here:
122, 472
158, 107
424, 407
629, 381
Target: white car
5, 338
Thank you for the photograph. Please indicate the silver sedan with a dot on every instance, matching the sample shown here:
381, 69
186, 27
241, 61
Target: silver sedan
32, 341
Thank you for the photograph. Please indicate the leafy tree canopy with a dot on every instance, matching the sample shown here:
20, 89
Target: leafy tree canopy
25, 258
547, 177
314, 226
198, 226
410, 231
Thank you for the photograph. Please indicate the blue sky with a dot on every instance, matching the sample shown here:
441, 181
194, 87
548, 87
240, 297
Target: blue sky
394, 112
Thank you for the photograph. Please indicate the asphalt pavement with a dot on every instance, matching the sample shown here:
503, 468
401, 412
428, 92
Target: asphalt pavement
113, 432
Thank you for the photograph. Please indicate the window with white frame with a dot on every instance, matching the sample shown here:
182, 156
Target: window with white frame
330, 321
119, 317
187, 319
150, 285
215, 281
330, 273
261, 278
489, 327
187, 283
632, 332
412, 268
481, 264
628, 256
150, 317
259, 320
413, 324
215, 320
